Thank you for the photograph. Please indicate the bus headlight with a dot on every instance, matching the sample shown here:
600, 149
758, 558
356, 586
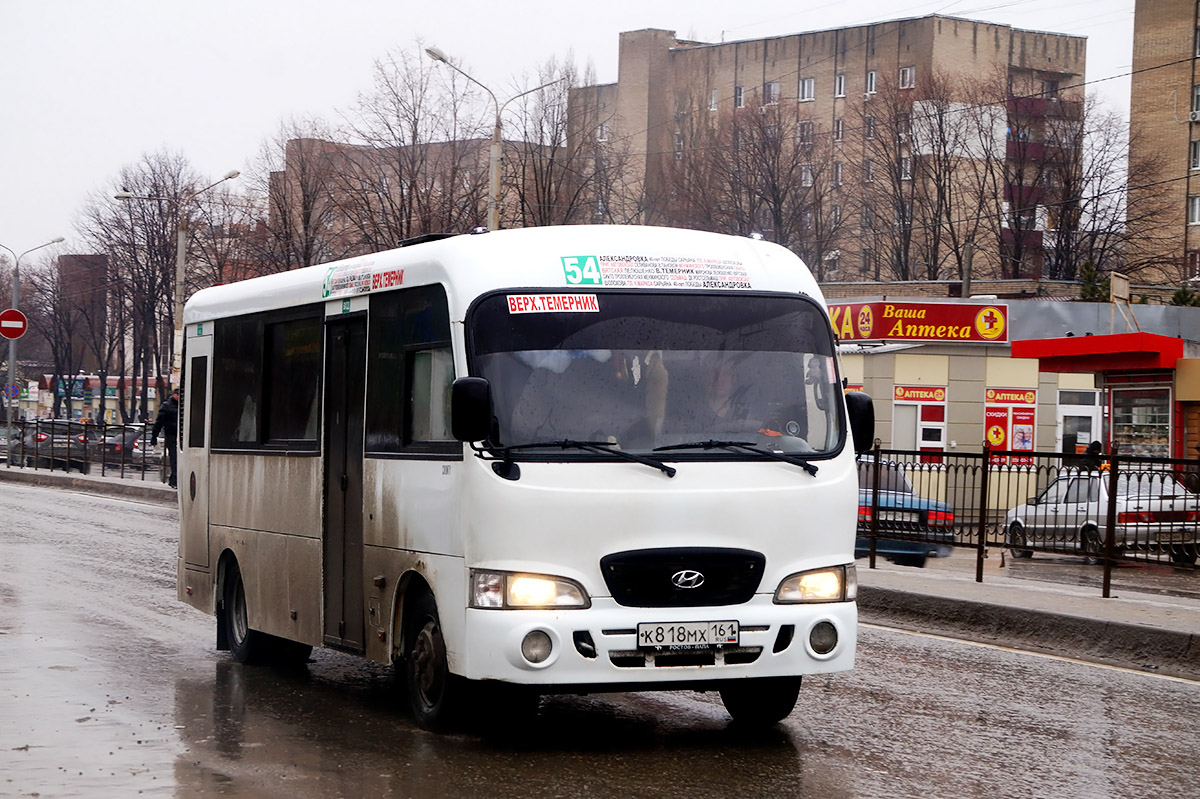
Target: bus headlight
833, 584
518, 590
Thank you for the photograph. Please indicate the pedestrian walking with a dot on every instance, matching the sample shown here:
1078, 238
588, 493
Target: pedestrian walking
168, 424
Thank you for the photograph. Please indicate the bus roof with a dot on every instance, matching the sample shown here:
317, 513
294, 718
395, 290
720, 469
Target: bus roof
565, 258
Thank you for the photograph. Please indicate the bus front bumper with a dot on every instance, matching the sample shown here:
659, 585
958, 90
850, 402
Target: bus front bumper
599, 646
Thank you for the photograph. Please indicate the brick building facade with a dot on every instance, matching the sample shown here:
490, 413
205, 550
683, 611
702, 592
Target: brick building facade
1165, 113
867, 100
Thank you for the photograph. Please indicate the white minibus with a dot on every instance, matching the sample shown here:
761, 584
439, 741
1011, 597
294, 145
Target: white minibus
525, 462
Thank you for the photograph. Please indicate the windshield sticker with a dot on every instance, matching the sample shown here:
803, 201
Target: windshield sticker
654, 271
552, 303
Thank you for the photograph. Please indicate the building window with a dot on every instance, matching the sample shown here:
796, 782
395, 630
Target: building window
1197, 42
839, 85
808, 89
871, 82
868, 217
771, 93
835, 215
869, 170
868, 261
712, 100
905, 167
678, 146
870, 128
1050, 88
806, 219
739, 97
1194, 153
903, 127
839, 129
837, 173
804, 132
602, 132
1196, 97
908, 77
806, 176
771, 132
1193, 207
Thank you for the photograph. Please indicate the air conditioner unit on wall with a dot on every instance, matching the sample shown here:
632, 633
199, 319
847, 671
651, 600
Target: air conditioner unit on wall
1194, 116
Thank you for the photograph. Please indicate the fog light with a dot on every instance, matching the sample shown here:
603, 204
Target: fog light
823, 638
536, 646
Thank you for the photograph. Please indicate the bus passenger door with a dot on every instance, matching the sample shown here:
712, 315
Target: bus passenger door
193, 454
345, 391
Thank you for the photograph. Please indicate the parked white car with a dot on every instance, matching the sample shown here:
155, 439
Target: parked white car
1154, 510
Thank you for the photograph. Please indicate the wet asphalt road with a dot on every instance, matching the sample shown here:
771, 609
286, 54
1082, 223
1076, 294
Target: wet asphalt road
110, 687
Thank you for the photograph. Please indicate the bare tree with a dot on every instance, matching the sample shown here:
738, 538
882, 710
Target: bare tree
139, 238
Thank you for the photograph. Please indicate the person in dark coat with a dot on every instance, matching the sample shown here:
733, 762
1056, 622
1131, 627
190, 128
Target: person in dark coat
1092, 456
168, 424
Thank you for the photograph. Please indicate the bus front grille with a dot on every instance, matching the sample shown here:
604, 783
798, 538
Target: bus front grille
682, 576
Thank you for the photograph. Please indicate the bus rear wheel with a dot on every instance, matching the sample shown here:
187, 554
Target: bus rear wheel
761, 701
434, 694
246, 645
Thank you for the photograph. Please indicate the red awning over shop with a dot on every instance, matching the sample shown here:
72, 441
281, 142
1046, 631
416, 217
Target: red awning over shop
1123, 352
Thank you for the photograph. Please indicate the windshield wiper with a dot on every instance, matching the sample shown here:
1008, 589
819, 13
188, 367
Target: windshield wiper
606, 447
745, 446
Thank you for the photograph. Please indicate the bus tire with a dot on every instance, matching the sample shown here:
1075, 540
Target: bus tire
761, 701
434, 694
246, 645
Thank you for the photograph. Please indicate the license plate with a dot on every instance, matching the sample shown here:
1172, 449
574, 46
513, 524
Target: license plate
896, 516
1180, 537
687, 634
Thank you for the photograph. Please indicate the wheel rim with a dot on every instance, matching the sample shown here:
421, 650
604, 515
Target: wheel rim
1092, 544
427, 658
1017, 541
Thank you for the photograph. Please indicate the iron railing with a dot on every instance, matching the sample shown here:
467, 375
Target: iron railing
69, 445
1104, 508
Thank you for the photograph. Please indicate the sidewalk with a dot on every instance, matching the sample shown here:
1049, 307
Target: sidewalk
112, 483
1047, 604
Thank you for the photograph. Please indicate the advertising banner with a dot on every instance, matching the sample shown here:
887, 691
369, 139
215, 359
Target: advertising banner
1010, 419
920, 321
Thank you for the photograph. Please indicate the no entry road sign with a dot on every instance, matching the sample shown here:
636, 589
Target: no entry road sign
13, 323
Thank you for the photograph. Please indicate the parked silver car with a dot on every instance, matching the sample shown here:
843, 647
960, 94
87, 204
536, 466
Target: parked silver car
1153, 511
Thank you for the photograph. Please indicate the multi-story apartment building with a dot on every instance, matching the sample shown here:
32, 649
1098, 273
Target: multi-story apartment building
1164, 116
898, 150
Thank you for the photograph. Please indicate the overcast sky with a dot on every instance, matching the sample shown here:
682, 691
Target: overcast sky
88, 86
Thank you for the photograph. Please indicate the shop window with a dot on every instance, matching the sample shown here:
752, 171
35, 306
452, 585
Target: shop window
1141, 421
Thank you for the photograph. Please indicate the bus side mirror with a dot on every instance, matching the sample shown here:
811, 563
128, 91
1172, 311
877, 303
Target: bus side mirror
861, 411
471, 408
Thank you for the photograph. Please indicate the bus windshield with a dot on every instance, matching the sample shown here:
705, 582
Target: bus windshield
647, 370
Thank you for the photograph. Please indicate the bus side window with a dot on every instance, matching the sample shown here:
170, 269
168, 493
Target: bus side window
410, 367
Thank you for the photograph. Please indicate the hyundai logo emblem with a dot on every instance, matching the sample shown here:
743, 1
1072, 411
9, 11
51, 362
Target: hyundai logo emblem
687, 578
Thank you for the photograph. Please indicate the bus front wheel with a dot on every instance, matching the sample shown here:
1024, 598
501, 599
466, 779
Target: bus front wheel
246, 645
434, 693
761, 701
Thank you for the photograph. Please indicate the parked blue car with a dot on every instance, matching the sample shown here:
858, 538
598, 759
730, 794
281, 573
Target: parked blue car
927, 525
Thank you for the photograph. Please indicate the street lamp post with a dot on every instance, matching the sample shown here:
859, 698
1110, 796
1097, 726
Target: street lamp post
12, 345
493, 221
181, 239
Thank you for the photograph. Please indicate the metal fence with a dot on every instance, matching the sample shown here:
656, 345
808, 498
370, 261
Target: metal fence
1104, 507
69, 445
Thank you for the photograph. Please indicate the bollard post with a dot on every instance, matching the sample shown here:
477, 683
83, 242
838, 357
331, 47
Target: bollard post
981, 550
874, 506
1110, 535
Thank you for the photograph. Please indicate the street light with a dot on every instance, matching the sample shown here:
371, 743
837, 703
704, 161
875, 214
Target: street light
12, 344
181, 236
493, 222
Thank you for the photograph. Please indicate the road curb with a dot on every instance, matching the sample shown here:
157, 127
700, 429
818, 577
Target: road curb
1136, 646
150, 492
